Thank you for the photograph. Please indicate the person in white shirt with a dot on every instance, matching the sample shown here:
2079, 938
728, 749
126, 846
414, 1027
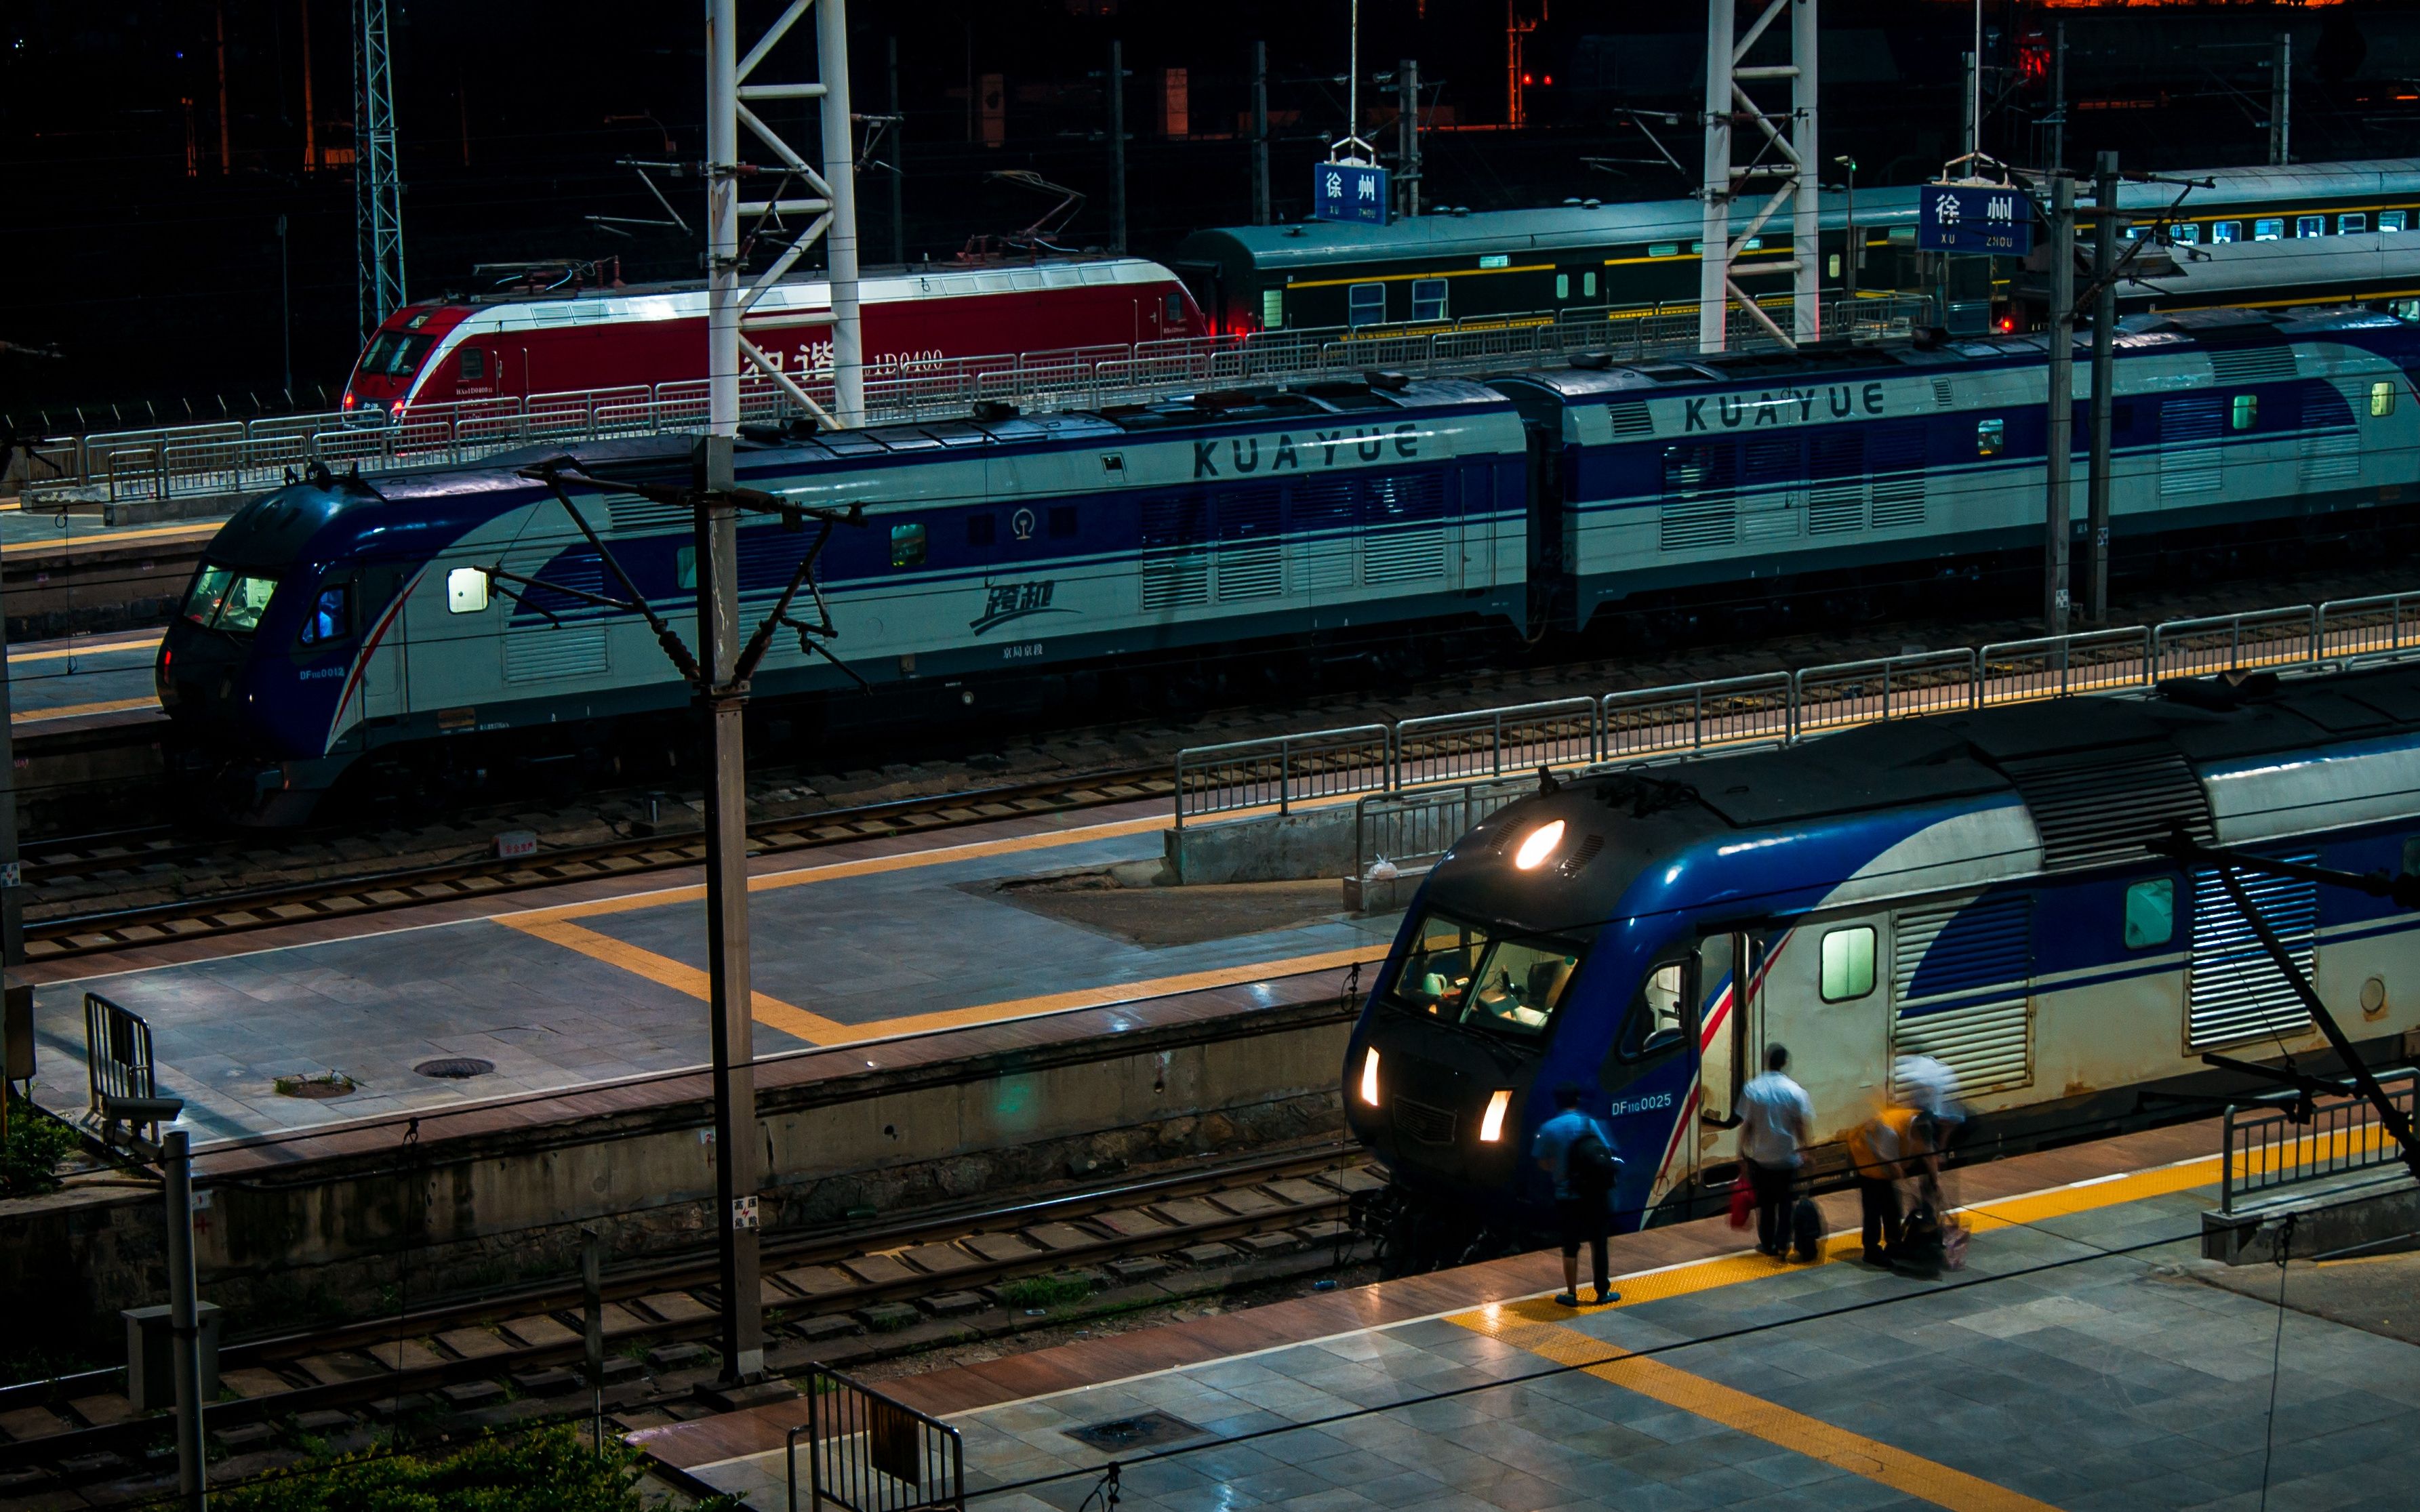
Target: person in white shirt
1774, 1115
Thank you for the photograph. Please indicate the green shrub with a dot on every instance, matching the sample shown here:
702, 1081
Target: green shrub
36, 1145
551, 1470
1045, 1290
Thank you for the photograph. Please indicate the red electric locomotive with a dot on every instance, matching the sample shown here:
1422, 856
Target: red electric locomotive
448, 349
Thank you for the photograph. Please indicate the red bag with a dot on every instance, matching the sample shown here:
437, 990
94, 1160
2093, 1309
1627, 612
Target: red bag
1743, 1204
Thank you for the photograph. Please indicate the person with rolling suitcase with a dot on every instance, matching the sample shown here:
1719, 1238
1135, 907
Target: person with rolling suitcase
1774, 1115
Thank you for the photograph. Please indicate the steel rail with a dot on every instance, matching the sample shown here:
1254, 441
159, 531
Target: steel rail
223, 914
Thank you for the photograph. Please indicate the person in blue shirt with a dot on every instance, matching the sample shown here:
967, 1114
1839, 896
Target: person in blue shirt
1581, 1211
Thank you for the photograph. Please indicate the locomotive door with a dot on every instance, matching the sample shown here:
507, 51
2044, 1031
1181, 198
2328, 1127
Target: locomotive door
1730, 1011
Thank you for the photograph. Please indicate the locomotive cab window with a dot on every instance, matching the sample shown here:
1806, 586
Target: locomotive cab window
907, 545
1273, 309
1990, 436
1655, 1021
1465, 974
1172, 309
466, 590
1428, 298
2382, 398
1848, 964
2246, 412
475, 364
1365, 304
226, 598
2151, 913
329, 618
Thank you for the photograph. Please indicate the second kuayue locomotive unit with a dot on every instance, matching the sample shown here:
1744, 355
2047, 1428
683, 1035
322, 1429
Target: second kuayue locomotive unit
1974, 887
336, 621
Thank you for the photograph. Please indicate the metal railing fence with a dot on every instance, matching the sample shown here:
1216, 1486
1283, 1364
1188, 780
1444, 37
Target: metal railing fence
225, 457
2266, 1150
868, 1453
1491, 742
1418, 824
1777, 708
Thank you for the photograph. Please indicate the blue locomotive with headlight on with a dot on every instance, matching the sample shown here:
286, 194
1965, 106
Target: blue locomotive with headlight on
1981, 889
337, 624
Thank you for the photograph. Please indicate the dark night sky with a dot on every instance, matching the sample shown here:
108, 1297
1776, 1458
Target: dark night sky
152, 263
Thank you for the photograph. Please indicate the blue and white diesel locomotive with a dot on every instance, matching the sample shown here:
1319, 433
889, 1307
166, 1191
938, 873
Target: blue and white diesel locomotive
1974, 887
335, 621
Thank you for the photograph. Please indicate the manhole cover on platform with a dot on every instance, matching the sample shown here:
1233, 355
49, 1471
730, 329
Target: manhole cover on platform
1142, 1431
454, 1068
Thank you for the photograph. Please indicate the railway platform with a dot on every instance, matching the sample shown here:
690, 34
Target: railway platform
2080, 1359
602, 984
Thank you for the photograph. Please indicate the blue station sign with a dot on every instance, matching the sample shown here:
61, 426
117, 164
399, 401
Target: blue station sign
1975, 218
1354, 192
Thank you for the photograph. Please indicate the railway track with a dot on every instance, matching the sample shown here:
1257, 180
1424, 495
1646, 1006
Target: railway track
1291, 1202
232, 913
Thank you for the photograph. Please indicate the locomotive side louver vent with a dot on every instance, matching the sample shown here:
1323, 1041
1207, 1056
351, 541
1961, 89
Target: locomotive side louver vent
2252, 365
2097, 807
1962, 974
1944, 397
1630, 418
1585, 853
634, 515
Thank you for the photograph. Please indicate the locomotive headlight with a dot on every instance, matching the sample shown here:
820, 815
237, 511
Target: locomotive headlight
1370, 1077
1491, 1123
1540, 844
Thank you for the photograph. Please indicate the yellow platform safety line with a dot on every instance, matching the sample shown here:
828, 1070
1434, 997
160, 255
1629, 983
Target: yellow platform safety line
68, 711
817, 1029
87, 648
1534, 1325
112, 537
1912, 1474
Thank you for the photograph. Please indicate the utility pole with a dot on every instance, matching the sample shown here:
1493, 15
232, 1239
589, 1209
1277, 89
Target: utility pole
1407, 134
1970, 129
2281, 101
378, 190
1853, 245
184, 1332
12, 897
2056, 509
226, 129
1117, 87
1259, 133
840, 189
2105, 322
1793, 178
285, 304
898, 160
720, 670
310, 114
2058, 99
717, 547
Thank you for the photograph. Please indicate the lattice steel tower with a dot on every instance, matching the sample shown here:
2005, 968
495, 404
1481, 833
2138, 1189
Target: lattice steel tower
378, 191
